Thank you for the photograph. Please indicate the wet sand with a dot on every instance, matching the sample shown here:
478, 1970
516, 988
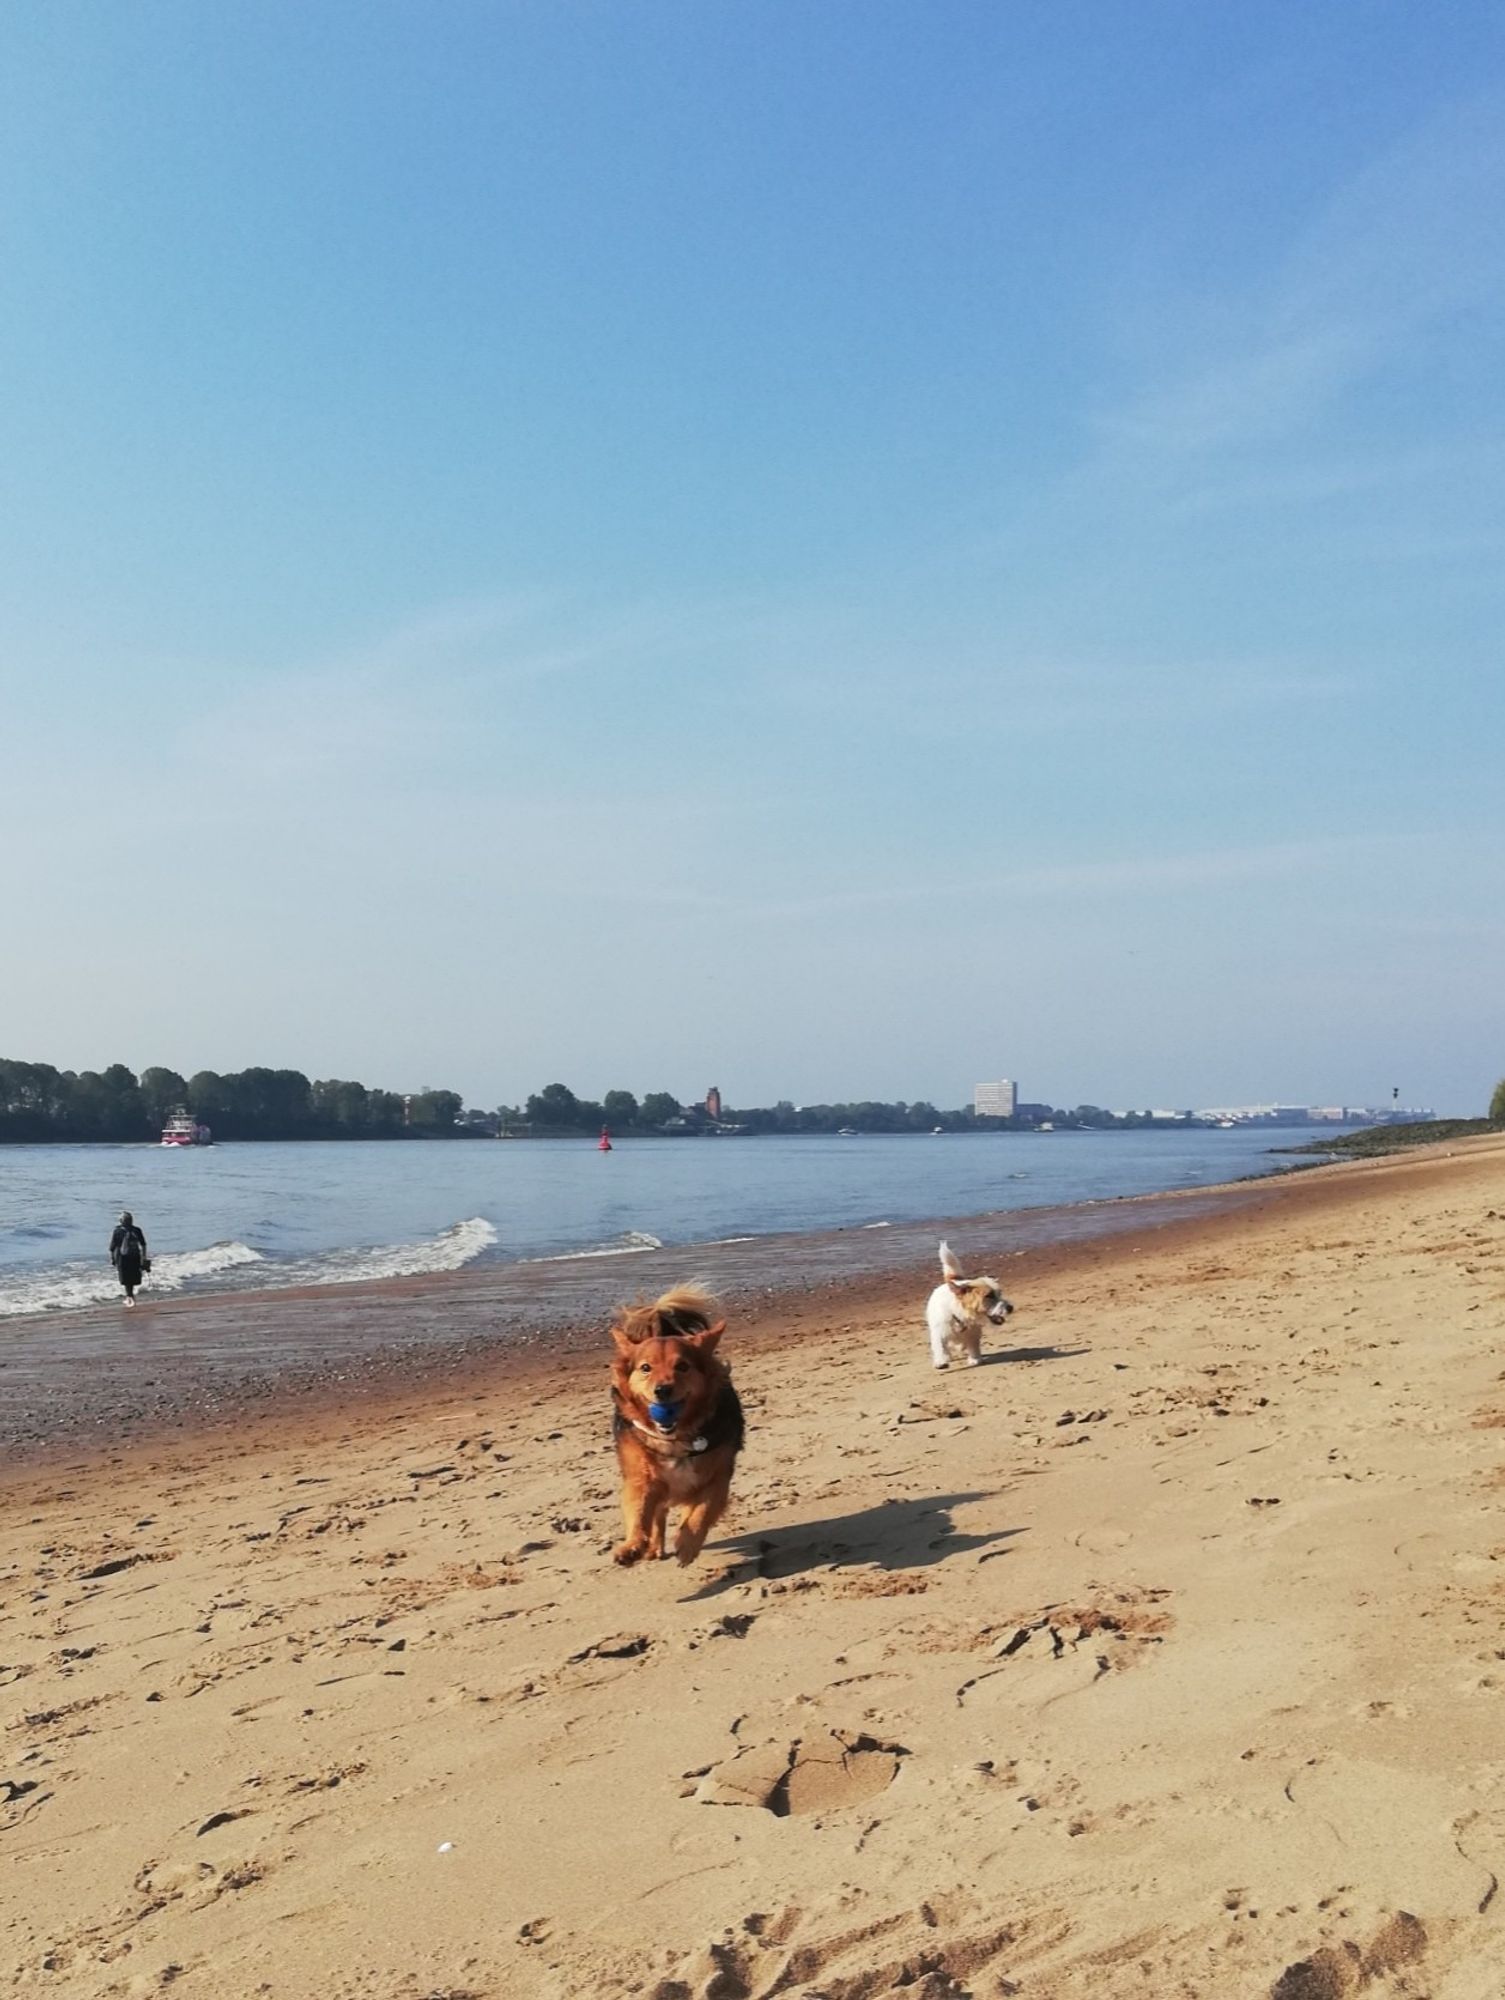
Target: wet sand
1161, 1656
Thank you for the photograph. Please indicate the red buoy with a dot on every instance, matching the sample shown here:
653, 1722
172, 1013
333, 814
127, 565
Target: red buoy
604, 1143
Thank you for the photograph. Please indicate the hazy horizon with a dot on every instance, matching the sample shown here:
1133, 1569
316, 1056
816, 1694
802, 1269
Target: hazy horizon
842, 553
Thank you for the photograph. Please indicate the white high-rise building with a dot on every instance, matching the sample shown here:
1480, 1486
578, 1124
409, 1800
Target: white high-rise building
995, 1100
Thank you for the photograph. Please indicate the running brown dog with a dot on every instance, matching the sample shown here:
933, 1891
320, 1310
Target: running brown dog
676, 1421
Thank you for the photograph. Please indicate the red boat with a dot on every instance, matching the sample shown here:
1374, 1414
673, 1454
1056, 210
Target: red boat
183, 1129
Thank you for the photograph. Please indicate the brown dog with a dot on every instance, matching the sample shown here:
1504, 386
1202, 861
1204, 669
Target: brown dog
676, 1422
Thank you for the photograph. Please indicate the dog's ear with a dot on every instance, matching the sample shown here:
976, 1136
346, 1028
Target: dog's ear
707, 1338
959, 1286
622, 1341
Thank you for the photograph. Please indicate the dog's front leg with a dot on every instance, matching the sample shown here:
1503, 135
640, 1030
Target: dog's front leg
658, 1521
697, 1522
640, 1510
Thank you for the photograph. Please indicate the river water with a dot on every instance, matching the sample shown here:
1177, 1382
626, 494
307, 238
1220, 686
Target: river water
264, 1216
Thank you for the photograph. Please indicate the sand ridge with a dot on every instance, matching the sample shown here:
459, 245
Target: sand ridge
1162, 1655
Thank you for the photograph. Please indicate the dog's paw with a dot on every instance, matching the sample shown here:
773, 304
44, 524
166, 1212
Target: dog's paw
941, 1364
974, 1360
627, 1552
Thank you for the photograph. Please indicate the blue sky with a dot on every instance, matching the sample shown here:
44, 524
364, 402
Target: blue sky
841, 550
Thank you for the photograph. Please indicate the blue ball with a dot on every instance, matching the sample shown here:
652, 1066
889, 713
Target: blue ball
662, 1413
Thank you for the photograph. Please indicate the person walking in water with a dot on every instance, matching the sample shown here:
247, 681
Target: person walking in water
128, 1254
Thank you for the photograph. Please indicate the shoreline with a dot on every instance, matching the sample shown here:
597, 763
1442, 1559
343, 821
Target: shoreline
201, 1364
200, 1358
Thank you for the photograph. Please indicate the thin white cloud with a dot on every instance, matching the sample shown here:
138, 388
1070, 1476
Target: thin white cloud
408, 701
1411, 240
1142, 876
1245, 399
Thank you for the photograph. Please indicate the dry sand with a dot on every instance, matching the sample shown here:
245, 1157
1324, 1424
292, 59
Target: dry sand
1163, 1656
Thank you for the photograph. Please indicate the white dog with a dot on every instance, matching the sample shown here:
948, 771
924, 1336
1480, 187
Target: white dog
957, 1311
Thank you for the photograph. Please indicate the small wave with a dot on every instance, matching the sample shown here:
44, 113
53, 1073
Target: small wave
71, 1287
632, 1243
451, 1250
181, 1267
877, 1225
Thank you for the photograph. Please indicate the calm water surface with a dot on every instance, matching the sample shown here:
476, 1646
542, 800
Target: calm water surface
234, 1216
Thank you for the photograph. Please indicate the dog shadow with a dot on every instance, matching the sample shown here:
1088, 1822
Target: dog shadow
1002, 1354
895, 1535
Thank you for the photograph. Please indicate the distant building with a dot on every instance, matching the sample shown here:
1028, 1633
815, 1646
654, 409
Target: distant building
995, 1100
713, 1102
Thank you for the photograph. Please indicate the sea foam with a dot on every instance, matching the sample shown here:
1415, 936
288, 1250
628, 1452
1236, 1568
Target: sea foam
451, 1250
77, 1286
73, 1287
631, 1243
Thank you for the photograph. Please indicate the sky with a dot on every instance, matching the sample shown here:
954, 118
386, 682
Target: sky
841, 551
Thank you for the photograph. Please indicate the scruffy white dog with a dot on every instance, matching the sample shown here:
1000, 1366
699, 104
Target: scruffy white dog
957, 1311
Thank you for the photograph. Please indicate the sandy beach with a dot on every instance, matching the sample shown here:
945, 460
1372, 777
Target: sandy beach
1162, 1656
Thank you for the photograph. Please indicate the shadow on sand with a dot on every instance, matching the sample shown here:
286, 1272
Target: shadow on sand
1002, 1354
895, 1535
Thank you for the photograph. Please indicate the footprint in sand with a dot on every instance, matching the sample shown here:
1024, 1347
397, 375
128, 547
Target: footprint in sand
619, 1646
1339, 1969
1089, 1640
731, 1625
1103, 1541
1344, 1801
944, 1946
814, 1774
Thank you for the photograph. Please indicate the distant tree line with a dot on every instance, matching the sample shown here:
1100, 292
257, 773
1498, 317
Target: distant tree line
556, 1110
867, 1116
39, 1104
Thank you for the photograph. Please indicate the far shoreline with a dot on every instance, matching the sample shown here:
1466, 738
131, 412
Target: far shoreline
591, 1137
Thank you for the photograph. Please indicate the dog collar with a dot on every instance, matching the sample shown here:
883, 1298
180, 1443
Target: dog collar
667, 1437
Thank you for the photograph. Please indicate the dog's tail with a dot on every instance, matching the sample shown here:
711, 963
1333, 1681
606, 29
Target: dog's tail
949, 1266
687, 1308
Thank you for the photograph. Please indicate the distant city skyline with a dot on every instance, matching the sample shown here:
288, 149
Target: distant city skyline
583, 544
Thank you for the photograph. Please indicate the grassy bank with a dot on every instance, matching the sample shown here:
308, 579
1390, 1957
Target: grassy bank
1376, 1139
